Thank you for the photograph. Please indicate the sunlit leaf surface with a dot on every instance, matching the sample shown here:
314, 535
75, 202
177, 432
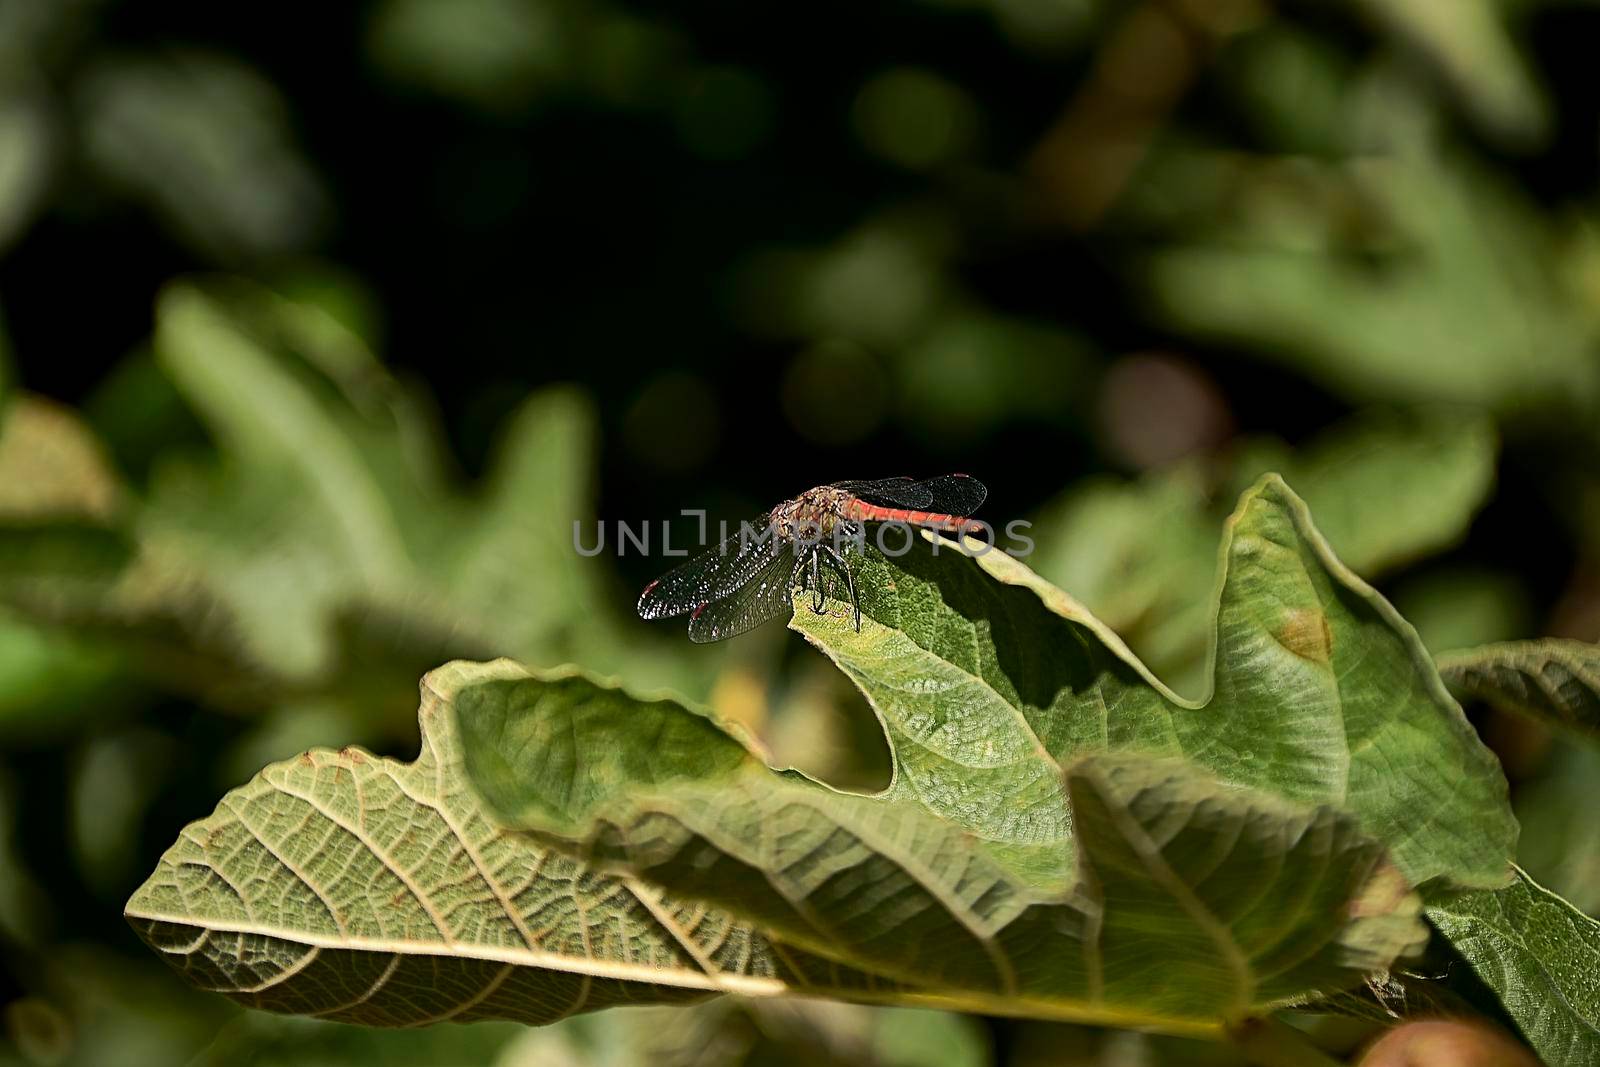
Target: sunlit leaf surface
345, 886
987, 679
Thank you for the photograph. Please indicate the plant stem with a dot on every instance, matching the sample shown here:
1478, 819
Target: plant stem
1270, 1043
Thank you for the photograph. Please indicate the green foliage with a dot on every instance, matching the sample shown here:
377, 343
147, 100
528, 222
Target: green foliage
293, 898
1473, 49
324, 533
1539, 954
1551, 680
1362, 234
1363, 479
1468, 301
199, 139
24, 162
1139, 554
1352, 696
664, 860
1559, 850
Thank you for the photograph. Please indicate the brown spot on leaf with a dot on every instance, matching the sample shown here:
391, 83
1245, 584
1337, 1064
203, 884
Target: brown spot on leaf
352, 754
1306, 633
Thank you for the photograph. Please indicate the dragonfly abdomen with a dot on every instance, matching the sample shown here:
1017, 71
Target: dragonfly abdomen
864, 512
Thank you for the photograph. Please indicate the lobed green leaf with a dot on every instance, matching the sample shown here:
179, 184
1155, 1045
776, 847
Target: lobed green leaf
1194, 903
345, 886
988, 680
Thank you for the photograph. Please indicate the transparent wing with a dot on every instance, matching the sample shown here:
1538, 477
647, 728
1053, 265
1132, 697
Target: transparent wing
950, 494
713, 574
890, 492
956, 494
767, 595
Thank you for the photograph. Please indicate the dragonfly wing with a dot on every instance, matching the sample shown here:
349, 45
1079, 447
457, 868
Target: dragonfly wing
767, 595
890, 492
948, 494
713, 574
955, 494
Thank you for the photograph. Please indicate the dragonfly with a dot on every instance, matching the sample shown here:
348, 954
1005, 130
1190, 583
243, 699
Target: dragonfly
751, 577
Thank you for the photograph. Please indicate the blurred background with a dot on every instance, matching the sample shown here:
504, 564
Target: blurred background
320, 326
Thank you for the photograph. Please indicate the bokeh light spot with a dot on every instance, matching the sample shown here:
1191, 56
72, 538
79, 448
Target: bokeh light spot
975, 369
1156, 408
496, 54
915, 118
835, 393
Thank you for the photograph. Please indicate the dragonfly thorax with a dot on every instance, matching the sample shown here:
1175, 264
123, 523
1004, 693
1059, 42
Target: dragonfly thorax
811, 515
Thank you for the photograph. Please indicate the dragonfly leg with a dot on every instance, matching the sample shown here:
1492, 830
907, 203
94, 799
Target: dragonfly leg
855, 601
839, 562
816, 580
797, 576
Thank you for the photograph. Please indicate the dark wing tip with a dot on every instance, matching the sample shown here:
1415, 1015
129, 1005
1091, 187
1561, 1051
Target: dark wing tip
646, 609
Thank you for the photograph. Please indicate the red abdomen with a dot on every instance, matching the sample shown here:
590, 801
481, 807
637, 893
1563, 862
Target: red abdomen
861, 511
